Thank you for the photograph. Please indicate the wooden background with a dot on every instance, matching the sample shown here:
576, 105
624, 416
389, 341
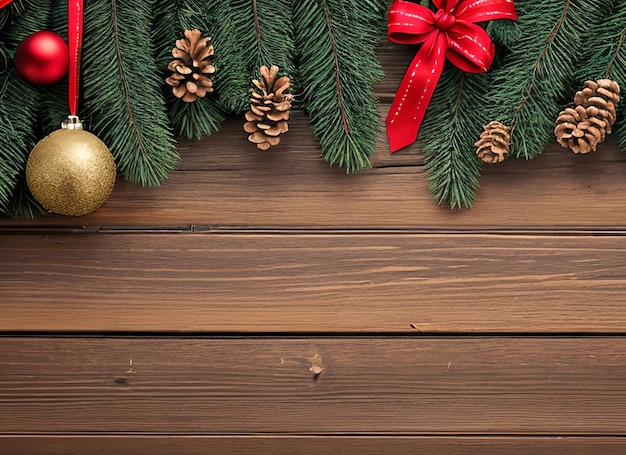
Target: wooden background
266, 303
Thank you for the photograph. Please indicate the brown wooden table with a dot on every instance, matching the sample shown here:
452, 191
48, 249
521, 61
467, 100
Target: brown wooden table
266, 303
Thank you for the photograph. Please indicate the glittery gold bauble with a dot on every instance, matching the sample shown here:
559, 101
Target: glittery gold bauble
71, 171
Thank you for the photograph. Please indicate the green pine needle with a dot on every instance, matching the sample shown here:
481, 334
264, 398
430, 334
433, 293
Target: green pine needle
123, 102
338, 69
204, 116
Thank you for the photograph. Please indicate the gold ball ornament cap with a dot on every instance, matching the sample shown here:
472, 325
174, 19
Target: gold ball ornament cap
70, 171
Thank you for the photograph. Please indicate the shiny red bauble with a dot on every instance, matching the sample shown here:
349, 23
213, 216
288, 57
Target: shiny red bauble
42, 58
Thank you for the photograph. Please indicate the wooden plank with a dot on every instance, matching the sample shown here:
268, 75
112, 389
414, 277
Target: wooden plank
384, 386
343, 282
309, 445
223, 182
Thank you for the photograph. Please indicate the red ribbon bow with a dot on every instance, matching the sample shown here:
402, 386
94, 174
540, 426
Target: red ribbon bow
449, 33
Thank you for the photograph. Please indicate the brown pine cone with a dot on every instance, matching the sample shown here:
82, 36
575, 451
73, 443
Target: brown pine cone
494, 143
269, 108
580, 129
604, 94
191, 67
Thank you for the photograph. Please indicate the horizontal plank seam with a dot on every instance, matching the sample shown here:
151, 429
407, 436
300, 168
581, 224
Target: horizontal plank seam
305, 335
557, 231
117, 434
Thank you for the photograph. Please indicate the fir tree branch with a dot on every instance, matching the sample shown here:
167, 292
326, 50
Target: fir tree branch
618, 51
504, 34
275, 39
17, 136
15, 9
54, 107
544, 68
338, 68
537, 66
331, 38
605, 57
601, 54
453, 119
252, 33
234, 41
18, 106
122, 93
204, 116
257, 25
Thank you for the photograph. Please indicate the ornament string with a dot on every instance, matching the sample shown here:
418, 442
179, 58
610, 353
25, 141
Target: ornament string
449, 33
75, 44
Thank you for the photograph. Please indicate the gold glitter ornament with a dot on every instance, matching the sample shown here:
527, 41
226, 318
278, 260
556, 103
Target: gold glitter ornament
70, 171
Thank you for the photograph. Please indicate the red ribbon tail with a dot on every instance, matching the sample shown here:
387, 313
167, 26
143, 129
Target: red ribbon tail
416, 90
399, 136
4, 3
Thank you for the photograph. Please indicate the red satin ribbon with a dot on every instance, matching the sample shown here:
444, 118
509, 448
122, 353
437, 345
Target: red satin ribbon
75, 44
449, 33
4, 3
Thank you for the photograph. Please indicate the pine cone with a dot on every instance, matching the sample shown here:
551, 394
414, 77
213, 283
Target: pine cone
269, 108
604, 95
190, 67
580, 129
494, 143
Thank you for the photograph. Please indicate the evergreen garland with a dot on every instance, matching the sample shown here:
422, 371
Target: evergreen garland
18, 100
327, 47
338, 69
204, 116
538, 69
123, 102
605, 57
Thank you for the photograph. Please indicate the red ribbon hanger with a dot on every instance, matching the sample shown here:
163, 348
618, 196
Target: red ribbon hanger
75, 44
450, 33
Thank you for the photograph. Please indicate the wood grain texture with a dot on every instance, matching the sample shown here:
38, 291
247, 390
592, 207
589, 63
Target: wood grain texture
222, 182
309, 445
480, 386
342, 282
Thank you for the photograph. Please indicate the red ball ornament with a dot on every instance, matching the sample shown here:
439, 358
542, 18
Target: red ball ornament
42, 58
